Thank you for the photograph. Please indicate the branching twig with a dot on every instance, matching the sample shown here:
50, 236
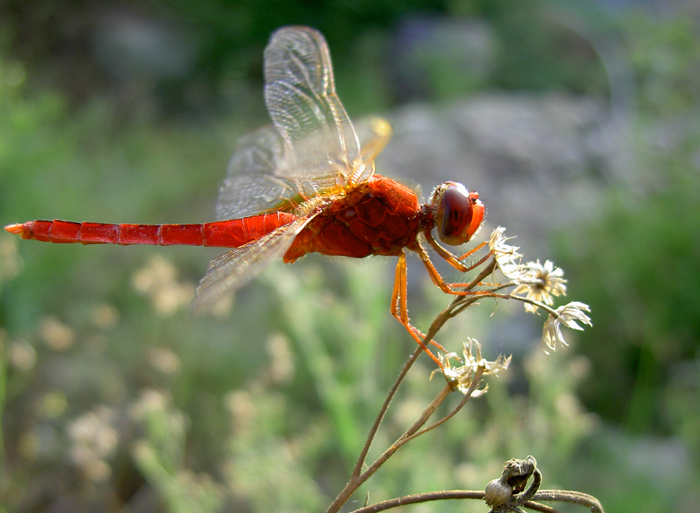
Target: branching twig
467, 396
534, 285
375, 427
358, 477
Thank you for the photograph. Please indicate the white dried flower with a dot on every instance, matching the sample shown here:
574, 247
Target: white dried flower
540, 282
507, 256
463, 375
93, 441
159, 280
569, 315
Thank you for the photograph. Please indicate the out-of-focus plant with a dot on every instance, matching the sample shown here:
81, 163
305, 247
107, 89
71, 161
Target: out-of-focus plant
641, 250
160, 455
46, 394
207, 53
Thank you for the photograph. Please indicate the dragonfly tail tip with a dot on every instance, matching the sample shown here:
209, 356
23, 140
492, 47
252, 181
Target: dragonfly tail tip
17, 228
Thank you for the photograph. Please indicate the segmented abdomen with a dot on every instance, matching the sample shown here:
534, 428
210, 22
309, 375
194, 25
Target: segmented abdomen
229, 234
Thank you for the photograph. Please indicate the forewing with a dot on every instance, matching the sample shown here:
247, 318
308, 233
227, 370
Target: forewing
301, 98
234, 269
251, 186
313, 148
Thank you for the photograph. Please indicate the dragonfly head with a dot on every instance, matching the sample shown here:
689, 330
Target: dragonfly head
458, 213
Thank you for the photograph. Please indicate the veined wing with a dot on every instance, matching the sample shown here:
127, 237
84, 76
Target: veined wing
253, 184
234, 269
301, 98
258, 178
268, 173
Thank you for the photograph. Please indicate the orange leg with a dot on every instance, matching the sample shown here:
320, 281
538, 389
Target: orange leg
471, 252
399, 308
449, 288
399, 302
455, 261
439, 281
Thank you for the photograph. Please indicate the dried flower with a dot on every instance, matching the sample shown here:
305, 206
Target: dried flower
569, 315
164, 360
150, 402
540, 282
55, 334
159, 280
93, 442
463, 375
507, 256
21, 355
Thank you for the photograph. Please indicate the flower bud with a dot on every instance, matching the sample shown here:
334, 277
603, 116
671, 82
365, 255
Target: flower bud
497, 493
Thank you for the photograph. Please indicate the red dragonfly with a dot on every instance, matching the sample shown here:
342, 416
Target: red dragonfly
306, 184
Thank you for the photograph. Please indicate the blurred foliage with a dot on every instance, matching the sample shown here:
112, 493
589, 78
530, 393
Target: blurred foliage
202, 56
116, 397
643, 247
665, 56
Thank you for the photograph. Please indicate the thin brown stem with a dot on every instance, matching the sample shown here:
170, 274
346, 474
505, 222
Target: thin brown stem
572, 497
440, 496
421, 497
459, 304
382, 412
467, 396
415, 431
355, 479
424, 416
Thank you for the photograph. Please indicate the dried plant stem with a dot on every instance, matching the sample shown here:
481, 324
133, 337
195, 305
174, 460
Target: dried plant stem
412, 432
435, 327
569, 496
440, 496
375, 427
467, 396
358, 477
582, 499
421, 497
466, 295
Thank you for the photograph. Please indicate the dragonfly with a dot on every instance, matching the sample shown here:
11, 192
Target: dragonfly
305, 184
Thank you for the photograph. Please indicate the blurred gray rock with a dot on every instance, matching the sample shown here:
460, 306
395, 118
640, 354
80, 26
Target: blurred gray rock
539, 163
132, 47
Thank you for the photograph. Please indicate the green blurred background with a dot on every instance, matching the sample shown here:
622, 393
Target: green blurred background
116, 398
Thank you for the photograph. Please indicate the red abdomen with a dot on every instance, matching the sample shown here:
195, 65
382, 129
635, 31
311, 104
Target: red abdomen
229, 234
379, 217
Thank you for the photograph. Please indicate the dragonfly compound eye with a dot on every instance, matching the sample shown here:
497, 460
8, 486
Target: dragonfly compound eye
459, 213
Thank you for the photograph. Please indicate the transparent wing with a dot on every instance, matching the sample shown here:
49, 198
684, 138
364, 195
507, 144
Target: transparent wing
301, 98
313, 149
234, 269
253, 185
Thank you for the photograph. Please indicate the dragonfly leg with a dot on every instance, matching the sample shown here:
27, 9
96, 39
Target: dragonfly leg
471, 252
399, 308
439, 281
454, 261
